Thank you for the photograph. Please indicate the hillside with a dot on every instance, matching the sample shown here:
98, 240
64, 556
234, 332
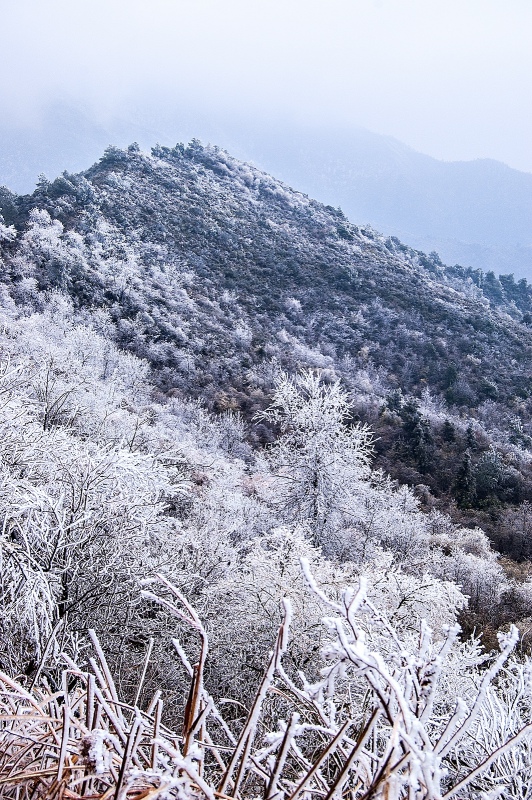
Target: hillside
476, 213
214, 272
194, 597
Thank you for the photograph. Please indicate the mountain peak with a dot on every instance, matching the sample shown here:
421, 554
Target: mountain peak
160, 239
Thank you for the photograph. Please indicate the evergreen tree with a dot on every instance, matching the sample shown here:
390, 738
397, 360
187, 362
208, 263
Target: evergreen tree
465, 488
424, 446
448, 432
495, 480
492, 288
394, 401
471, 442
418, 436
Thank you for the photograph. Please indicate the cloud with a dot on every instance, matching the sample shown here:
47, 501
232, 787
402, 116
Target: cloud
447, 76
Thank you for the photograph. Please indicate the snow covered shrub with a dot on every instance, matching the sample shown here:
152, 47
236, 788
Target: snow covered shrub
251, 593
389, 715
392, 716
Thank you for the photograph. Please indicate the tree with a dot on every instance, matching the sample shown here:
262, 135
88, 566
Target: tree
394, 401
495, 480
448, 432
418, 436
471, 442
492, 288
319, 460
465, 487
7, 233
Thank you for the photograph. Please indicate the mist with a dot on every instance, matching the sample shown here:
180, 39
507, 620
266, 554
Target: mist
387, 108
450, 79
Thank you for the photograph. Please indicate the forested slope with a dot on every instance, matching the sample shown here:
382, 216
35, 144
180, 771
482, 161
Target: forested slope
211, 270
261, 263
134, 297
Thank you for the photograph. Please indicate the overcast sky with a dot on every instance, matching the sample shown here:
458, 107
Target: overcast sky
451, 78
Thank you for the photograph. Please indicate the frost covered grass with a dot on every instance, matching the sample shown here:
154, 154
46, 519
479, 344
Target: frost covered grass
375, 724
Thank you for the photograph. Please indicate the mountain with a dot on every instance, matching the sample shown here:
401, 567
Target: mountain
475, 213
219, 275
147, 526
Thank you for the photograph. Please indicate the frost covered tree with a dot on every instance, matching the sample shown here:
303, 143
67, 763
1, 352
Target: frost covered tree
320, 459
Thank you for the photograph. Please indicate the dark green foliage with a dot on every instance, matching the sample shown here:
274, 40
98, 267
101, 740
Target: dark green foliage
417, 436
448, 432
395, 400
114, 157
450, 375
492, 288
495, 482
471, 442
8, 206
465, 487
517, 434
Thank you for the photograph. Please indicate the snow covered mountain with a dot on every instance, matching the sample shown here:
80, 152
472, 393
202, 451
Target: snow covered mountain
146, 521
475, 213
213, 270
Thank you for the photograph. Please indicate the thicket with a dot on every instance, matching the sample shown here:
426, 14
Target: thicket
103, 487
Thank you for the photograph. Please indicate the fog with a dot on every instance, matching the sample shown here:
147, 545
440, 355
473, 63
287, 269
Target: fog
452, 79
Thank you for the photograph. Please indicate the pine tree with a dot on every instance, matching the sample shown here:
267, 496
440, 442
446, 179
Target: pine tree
418, 436
465, 489
471, 442
448, 432
394, 400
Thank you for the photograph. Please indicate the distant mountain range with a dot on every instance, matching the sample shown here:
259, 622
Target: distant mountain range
475, 213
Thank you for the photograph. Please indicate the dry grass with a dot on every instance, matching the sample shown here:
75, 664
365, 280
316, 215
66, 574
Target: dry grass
83, 742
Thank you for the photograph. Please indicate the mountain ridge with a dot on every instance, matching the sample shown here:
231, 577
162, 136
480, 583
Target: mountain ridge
475, 213
175, 177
